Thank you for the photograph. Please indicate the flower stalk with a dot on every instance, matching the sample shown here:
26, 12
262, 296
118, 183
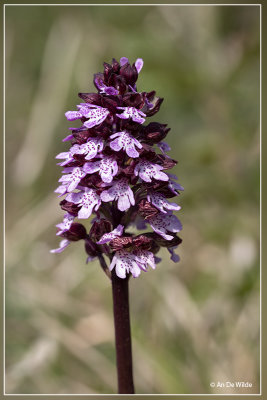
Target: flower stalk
120, 291
116, 170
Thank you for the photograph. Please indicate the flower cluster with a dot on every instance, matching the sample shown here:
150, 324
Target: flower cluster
114, 172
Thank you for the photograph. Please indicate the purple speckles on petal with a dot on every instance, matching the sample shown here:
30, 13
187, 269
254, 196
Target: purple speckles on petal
133, 263
107, 237
65, 155
132, 112
126, 141
107, 168
94, 114
174, 186
87, 199
147, 170
160, 202
120, 191
90, 149
66, 224
124, 262
73, 179
163, 223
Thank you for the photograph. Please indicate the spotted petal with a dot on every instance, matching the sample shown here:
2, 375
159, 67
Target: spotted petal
73, 179
163, 223
132, 112
107, 237
87, 199
107, 168
147, 170
126, 141
66, 224
160, 202
120, 191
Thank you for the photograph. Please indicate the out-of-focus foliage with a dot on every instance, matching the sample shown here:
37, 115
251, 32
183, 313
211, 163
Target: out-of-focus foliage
192, 322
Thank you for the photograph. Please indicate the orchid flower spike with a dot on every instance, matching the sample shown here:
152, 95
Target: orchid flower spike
116, 172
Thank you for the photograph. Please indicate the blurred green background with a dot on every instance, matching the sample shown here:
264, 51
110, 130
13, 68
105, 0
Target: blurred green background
192, 322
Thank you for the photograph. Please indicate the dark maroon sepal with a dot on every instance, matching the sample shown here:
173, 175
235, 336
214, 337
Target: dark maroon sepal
92, 98
90, 247
129, 73
146, 209
99, 228
119, 243
76, 232
155, 108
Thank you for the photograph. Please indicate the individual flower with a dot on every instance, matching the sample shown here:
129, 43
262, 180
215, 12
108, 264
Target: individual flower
90, 149
121, 191
174, 186
95, 114
147, 170
87, 199
160, 202
125, 262
163, 223
67, 156
66, 224
125, 141
107, 168
72, 179
132, 112
107, 237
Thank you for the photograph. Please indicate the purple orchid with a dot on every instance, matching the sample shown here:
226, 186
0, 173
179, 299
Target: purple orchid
133, 263
107, 168
90, 149
163, 223
87, 199
125, 141
160, 202
132, 112
73, 179
95, 114
147, 170
121, 191
107, 237
112, 172
174, 186
66, 224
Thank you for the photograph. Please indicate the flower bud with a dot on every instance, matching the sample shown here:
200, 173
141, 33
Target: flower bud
70, 207
155, 132
76, 232
99, 228
129, 73
90, 247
